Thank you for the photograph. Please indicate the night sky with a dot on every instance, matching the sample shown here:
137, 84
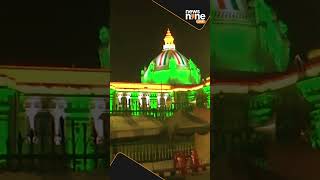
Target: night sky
302, 18
66, 34
51, 33
138, 29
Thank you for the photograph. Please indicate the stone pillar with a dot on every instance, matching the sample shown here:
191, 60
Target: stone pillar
128, 96
165, 96
119, 99
58, 111
148, 100
140, 100
32, 106
98, 112
98, 107
159, 100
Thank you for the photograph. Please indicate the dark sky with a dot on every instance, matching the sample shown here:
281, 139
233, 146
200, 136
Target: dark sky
138, 29
302, 18
65, 33
55, 33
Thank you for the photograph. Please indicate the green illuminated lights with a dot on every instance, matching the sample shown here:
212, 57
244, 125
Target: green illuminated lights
171, 67
255, 43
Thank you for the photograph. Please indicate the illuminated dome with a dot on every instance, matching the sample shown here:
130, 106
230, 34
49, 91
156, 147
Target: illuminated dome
171, 67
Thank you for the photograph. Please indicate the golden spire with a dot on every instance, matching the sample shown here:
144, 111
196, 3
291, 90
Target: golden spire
168, 41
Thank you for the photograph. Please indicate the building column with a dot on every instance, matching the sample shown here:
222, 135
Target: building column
140, 100
32, 106
98, 107
128, 96
119, 99
147, 100
58, 112
165, 96
159, 100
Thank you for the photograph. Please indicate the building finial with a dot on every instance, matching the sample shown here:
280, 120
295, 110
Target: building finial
168, 32
168, 41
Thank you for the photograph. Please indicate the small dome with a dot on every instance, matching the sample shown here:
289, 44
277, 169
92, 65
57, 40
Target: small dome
162, 60
171, 67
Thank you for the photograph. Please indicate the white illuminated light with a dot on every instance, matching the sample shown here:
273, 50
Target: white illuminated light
165, 98
169, 47
159, 97
148, 100
128, 98
119, 97
97, 110
140, 99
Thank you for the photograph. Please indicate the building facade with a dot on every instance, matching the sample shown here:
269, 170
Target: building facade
153, 119
256, 79
54, 112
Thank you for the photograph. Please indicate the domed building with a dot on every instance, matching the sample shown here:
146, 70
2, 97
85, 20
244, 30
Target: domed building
171, 82
171, 79
152, 119
171, 67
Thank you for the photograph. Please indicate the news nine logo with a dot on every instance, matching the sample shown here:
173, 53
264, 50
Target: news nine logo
195, 15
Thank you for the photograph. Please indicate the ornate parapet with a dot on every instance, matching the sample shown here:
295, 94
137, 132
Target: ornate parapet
237, 17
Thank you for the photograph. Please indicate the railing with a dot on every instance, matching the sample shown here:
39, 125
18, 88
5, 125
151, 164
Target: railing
46, 156
160, 112
247, 17
144, 153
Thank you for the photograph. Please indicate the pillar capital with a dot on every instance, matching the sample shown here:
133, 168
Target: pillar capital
33, 102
